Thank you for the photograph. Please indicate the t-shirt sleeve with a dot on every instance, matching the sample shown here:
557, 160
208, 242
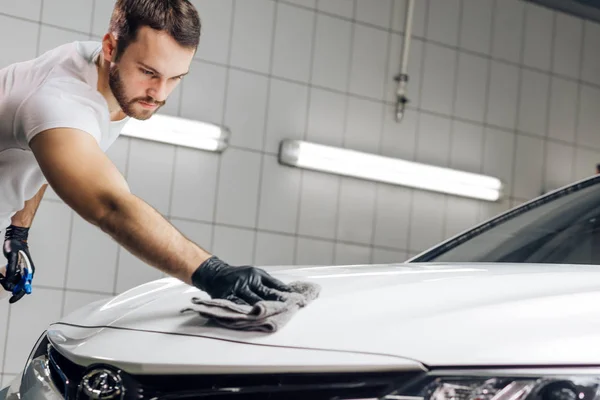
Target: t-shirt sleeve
59, 104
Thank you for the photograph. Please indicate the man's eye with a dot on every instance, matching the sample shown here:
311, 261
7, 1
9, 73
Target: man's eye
145, 71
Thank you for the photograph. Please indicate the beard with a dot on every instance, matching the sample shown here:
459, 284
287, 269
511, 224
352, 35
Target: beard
127, 105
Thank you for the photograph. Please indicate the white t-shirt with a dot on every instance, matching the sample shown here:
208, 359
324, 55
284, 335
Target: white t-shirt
57, 89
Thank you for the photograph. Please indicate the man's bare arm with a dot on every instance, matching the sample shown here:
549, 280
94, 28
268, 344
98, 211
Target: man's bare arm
24, 217
86, 180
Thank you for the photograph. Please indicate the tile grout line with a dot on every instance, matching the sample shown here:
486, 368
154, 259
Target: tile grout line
305, 133
261, 167
223, 112
412, 192
548, 108
381, 132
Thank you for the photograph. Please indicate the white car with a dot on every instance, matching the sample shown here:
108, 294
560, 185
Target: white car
509, 310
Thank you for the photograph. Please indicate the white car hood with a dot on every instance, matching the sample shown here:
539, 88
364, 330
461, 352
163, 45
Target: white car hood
369, 315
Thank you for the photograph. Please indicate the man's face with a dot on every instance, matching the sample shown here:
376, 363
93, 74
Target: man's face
147, 72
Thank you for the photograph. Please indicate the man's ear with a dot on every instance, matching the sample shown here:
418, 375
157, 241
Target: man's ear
109, 47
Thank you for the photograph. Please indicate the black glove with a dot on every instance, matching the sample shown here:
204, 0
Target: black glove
242, 285
15, 242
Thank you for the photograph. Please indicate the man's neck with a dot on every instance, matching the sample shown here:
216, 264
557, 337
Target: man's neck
114, 109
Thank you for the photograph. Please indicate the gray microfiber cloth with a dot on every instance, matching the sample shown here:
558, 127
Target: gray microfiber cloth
265, 316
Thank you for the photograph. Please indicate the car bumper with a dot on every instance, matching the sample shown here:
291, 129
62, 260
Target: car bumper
33, 384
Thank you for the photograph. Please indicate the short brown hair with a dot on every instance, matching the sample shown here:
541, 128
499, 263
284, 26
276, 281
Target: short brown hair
179, 18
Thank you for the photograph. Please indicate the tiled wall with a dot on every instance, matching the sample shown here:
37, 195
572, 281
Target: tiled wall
500, 87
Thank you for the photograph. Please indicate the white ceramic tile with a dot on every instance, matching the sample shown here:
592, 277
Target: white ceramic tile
489, 209
363, 125
92, 258
279, 196
504, 89
383, 256
356, 211
286, 115
274, 249
392, 216
173, 102
79, 11
475, 31
419, 16
131, 272
246, 108
563, 109
75, 300
589, 117
330, 67
303, 3
585, 163
252, 34
28, 319
102, 12
326, 117
399, 138
529, 167
7, 379
119, 153
198, 232
559, 165
433, 141
4, 306
203, 96
150, 172
21, 47
318, 204
461, 214
237, 196
293, 42
467, 146
314, 252
374, 12
53, 37
498, 156
369, 59
442, 25
350, 254
471, 87
233, 245
508, 30
343, 8
538, 37
439, 78
533, 106
590, 70
567, 45
48, 243
29, 9
194, 184
216, 18
427, 220
415, 69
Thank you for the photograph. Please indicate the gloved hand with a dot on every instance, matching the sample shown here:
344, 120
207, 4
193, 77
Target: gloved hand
242, 285
15, 242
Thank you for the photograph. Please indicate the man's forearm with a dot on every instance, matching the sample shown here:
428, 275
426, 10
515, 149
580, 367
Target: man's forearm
148, 235
24, 217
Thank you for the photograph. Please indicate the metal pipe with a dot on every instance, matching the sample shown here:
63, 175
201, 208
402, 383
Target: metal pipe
402, 78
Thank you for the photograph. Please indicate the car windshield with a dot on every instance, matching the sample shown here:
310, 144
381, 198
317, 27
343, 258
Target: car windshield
562, 227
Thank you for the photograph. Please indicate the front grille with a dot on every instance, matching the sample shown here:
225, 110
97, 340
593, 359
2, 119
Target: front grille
291, 386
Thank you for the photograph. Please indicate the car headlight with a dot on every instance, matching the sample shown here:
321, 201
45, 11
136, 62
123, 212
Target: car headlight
503, 386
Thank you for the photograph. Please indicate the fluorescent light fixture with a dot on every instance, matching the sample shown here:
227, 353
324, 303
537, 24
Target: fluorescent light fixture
179, 131
388, 170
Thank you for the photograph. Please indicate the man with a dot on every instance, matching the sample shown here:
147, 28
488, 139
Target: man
60, 112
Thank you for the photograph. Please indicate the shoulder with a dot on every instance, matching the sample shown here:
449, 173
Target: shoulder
62, 102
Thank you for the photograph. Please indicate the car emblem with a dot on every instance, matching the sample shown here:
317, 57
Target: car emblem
102, 384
